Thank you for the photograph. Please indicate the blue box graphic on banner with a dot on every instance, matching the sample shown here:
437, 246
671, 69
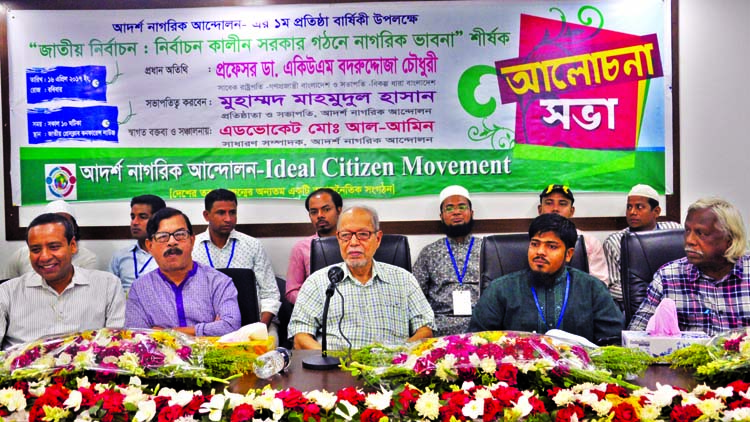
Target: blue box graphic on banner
96, 123
66, 83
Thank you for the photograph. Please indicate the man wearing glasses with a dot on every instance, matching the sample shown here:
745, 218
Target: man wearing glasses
376, 302
448, 269
181, 294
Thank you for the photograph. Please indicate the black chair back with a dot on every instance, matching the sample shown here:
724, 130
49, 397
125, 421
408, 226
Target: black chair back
285, 315
641, 255
503, 254
394, 249
247, 293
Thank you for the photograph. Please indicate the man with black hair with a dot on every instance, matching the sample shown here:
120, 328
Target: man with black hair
19, 264
132, 262
642, 211
181, 294
221, 246
323, 207
448, 269
549, 295
57, 297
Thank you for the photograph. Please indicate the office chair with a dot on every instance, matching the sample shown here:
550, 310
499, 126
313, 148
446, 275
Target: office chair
641, 255
247, 294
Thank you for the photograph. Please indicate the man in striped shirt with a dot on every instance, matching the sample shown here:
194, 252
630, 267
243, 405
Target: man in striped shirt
57, 297
711, 285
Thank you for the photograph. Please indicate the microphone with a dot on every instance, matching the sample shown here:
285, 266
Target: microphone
323, 362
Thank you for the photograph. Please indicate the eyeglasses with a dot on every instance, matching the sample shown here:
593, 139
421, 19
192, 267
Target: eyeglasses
163, 237
460, 207
361, 236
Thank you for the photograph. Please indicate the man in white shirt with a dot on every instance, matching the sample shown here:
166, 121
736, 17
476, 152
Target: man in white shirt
132, 262
221, 246
57, 297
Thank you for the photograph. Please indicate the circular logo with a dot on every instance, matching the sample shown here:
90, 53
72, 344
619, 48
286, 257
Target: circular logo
60, 181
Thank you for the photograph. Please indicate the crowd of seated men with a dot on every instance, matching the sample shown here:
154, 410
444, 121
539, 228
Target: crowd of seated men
173, 278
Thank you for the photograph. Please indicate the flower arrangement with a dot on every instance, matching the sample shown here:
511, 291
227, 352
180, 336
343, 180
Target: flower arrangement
527, 360
725, 358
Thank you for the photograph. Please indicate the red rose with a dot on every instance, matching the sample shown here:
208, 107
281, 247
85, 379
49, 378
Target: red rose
191, 408
507, 372
537, 406
371, 415
242, 413
292, 398
738, 386
565, 414
625, 412
685, 413
406, 398
506, 395
617, 390
350, 394
737, 404
493, 410
170, 413
312, 411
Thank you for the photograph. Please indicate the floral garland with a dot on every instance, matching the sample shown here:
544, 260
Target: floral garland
725, 358
469, 402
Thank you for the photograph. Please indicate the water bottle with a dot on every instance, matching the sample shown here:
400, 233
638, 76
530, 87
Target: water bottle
271, 363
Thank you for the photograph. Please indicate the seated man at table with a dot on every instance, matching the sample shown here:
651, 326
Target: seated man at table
711, 285
181, 294
550, 294
57, 297
377, 302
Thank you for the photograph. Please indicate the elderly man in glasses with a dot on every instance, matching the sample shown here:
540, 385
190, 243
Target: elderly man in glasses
181, 294
376, 302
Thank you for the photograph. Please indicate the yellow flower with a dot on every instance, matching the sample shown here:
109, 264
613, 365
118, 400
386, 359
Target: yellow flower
424, 346
54, 414
164, 337
711, 408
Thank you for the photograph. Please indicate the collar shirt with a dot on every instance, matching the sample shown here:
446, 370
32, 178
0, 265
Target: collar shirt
130, 263
439, 278
204, 295
387, 309
242, 251
299, 267
703, 303
509, 304
612, 251
19, 263
595, 255
30, 308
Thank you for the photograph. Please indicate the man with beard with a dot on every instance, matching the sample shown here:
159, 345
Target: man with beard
711, 285
550, 294
181, 294
448, 269
323, 207
133, 261
377, 302
221, 246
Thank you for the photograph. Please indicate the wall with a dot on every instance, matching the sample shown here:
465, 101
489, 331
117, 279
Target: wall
712, 155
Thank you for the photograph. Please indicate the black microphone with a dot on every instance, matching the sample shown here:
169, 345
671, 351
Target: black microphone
322, 362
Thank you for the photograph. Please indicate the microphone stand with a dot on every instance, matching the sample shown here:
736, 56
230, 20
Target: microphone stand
324, 362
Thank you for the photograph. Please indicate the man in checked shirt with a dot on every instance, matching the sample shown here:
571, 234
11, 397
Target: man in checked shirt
711, 285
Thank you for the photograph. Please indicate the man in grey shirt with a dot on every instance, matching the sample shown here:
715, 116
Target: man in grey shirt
57, 297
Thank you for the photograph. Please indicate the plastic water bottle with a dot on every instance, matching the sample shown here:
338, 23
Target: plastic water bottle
271, 363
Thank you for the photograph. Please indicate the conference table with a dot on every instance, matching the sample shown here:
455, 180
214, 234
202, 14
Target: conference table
335, 379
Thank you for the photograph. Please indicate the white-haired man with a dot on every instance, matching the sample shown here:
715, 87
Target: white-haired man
711, 285
641, 213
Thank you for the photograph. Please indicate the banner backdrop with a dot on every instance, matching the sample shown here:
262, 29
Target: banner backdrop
377, 100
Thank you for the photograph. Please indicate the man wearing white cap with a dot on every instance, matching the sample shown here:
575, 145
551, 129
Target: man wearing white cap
19, 263
642, 211
448, 269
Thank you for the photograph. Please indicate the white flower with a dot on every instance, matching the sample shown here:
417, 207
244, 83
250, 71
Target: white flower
129, 361
74, 400
564, 398
483, 393
588, 398
725, 392
238, 399
663, 395
650, 413
84, 359
467, 385
111, 359
323, 399
700, 390
711, 408
444, 368
473, 409
12, 399
83, 382
214, 407
63, 359
523, 407
379, 401
350, 411
602, 407
488, 365
37, 388
146, 411
741, 414
182, 398
167, 392
428, 405
135, 381
133, 395
477, 340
